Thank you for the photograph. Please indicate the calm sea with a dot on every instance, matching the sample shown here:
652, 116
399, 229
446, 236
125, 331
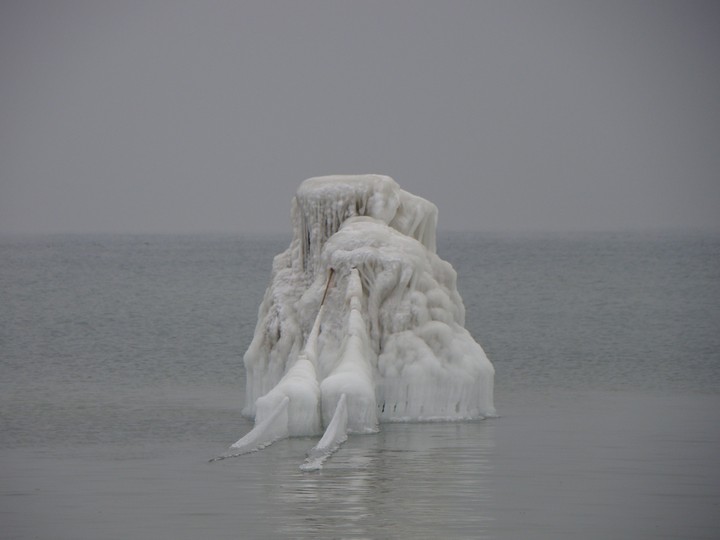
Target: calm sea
121, 375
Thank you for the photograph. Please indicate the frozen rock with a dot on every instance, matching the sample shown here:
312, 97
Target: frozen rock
360, 309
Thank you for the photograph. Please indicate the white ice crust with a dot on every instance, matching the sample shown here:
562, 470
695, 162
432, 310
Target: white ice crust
361, 320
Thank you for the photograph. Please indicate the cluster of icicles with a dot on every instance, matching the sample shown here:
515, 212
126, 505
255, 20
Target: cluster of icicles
361, 324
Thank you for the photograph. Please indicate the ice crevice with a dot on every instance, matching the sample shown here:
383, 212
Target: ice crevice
361, 324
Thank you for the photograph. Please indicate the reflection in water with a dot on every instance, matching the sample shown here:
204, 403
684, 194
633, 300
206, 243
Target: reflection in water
408, 480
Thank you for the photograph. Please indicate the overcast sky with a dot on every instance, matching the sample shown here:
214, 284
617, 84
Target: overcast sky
175, 116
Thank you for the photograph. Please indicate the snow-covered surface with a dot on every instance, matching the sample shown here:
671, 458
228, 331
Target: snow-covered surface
361, 312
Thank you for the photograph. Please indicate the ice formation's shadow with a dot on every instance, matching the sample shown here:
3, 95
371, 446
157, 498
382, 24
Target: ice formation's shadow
362, 323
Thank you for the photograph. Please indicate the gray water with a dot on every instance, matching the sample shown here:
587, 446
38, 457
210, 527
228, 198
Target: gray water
121, 375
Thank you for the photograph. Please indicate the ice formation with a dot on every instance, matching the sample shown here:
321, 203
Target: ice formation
362, 322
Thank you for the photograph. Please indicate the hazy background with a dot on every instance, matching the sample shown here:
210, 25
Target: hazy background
174, 116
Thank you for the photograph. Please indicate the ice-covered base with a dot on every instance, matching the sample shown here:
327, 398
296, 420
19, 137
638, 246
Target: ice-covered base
362, 322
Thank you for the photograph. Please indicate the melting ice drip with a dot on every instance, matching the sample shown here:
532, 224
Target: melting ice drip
361, 324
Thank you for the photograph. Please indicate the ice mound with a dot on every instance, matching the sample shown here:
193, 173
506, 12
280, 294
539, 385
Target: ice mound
362, 322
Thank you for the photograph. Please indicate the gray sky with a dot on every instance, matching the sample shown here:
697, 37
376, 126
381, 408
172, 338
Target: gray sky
175, 116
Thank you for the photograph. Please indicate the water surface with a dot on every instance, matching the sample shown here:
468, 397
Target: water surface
121, 376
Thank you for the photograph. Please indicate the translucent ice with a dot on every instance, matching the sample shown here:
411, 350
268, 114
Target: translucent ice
334, 436
362, 319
